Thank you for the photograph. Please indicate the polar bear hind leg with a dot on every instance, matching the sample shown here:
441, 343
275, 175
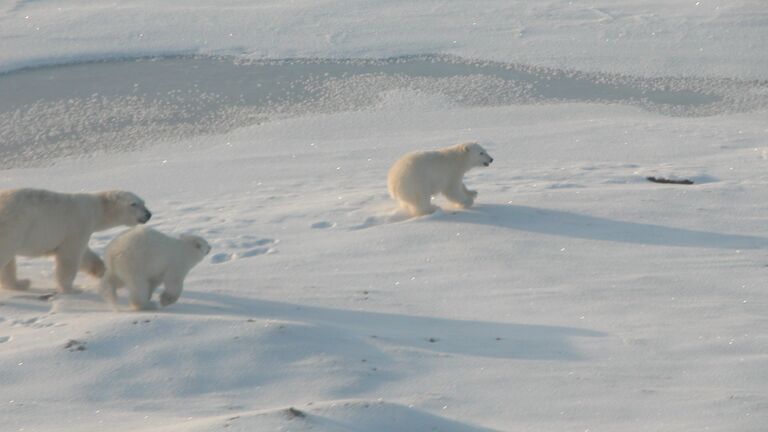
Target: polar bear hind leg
108, 288
92, 264
140, 294
68, 259
423, 209
412, 195
420, 206
8, 278
472, 193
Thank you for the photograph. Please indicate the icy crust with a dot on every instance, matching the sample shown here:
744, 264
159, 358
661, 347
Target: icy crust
102, 107
679, 37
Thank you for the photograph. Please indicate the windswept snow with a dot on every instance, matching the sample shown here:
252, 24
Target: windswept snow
574, 296
648, 38
124, 105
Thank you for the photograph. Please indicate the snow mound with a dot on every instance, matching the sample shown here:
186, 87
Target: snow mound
118, 106
332, 416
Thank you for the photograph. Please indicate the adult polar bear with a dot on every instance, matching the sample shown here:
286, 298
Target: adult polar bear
36, 222
415, 177
142, 259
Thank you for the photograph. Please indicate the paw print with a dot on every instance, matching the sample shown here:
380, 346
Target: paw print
246, 247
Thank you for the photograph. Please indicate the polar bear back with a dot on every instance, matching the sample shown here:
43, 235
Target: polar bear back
35, 218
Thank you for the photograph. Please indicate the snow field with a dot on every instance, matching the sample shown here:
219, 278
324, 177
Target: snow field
574, 294
647, 38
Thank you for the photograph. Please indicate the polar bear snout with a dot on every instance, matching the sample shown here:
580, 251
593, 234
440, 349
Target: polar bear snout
488, 163
141, 212
145, 218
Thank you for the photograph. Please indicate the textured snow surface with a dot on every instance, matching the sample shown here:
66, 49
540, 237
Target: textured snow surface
712, 38
574, 296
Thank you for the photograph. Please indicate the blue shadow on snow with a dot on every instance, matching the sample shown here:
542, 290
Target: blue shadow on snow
474, 338
566, 224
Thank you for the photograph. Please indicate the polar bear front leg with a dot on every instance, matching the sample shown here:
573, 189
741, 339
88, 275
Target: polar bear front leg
459, 195
68, 258
8, 277
472, 193
173, 285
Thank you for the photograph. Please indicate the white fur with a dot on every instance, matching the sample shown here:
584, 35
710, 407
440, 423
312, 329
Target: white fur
417, 176
35, 222
142, 258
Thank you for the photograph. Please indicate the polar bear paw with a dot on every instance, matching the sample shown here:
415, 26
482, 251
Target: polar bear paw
466, 202
19, 285
71, 291
168, 299
148, 306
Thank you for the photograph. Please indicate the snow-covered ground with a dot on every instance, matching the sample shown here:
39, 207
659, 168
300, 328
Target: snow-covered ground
574, 296
707, 37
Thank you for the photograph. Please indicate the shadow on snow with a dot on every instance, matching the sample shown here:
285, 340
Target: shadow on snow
473, 338
566, 224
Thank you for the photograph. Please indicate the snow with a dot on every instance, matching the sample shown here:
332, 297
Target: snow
712, 38
575, 295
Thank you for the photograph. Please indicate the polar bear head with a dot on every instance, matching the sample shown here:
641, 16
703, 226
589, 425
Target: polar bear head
123, 208
477, 154
196, 246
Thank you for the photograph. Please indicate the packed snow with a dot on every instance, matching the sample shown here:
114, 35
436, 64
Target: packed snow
575, 295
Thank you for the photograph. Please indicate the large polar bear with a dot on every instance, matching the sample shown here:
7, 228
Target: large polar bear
36, 222
142, 258
417, 176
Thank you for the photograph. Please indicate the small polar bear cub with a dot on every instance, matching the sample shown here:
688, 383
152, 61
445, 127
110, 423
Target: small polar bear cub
142, 259
38, 222
417, 176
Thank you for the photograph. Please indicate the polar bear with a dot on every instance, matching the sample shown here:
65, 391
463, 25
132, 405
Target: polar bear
143, 258
417, 176
37, 222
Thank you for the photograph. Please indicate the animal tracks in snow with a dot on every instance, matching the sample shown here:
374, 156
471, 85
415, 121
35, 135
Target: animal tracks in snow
244, 247
38, 322
323, 225
383, 219
26, 313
